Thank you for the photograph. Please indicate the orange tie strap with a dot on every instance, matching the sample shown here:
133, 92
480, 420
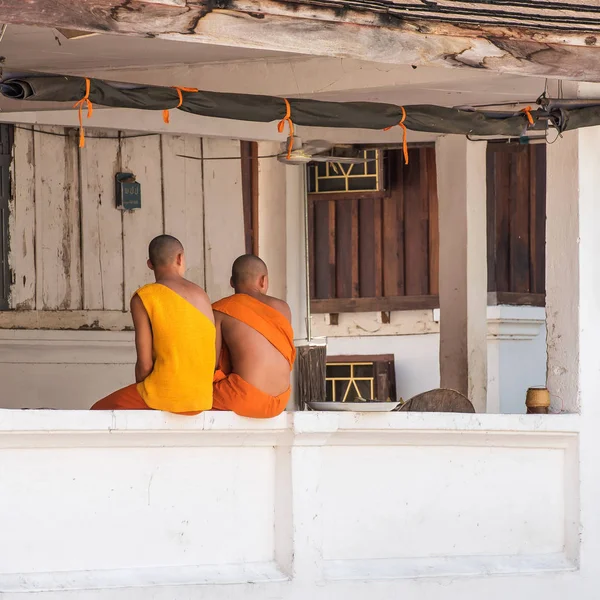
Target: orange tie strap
288, 119
527, 111
404, 132
79, 105
166, 115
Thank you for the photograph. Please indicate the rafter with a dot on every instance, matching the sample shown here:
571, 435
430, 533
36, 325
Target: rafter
559, 40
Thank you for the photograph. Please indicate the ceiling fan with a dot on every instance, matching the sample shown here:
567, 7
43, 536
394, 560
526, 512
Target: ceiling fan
317, 151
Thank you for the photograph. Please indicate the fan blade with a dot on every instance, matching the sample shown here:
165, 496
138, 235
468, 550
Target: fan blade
317, 146
72, 34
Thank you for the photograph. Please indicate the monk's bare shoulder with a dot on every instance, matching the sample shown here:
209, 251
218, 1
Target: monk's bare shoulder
279, 305
200, 299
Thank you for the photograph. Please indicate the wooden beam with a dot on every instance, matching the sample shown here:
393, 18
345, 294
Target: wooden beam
483, 35
345, 305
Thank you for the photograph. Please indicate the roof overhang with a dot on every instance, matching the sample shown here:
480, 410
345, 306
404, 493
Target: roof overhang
558, 39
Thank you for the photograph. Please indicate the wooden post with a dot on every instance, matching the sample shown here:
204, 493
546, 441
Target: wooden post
311, 365
461, 182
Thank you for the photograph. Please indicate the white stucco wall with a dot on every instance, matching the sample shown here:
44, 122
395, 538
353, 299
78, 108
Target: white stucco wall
516, 351
72, 369
142, 505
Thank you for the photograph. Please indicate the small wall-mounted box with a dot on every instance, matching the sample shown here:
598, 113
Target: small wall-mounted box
128, 192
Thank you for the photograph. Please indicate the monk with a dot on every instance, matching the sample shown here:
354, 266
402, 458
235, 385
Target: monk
175, 340
255, 345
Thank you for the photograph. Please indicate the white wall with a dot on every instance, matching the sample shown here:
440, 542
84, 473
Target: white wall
320, 505
516, 350
416, 358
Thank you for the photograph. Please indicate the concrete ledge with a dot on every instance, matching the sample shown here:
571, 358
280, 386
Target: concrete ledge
108, 505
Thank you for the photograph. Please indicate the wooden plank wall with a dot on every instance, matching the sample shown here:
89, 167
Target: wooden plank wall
516, 205
72, 250
378, 251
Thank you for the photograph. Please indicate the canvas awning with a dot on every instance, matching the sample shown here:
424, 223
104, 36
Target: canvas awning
307, 112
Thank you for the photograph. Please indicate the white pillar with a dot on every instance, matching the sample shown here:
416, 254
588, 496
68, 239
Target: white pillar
296, 258
573, 315
296, 261
461, 180
573, 268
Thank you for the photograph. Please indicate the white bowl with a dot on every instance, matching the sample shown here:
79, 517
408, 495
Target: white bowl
354, 406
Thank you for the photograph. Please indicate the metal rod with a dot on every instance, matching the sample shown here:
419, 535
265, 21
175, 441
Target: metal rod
306, 256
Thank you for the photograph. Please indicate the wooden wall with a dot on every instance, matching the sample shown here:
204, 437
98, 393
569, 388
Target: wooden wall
72, 250
378, 251
516, 207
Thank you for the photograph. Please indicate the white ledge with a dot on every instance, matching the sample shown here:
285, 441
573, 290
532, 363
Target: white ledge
114, 422
515, 323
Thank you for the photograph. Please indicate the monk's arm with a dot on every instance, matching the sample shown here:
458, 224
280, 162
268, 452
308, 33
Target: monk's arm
219, 342
143, 339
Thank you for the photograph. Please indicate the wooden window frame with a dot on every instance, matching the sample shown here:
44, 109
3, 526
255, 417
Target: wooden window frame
503, 270
530, 218
360, 295
383, 364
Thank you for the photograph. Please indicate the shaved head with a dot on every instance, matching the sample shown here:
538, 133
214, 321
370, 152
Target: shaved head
163, 250
247, 269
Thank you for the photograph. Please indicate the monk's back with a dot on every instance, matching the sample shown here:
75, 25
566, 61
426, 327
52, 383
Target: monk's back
254, 358
183, 338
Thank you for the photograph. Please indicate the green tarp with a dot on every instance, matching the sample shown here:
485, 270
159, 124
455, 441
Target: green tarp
314, 113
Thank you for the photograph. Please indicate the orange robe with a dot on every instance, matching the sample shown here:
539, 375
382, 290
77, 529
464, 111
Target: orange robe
183, 344
230, 391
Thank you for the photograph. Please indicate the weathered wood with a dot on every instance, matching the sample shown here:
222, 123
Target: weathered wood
355, 290
393, 235
22, 222
502, 186
96, 320
141, 156
223, 207
516, 218
366, 243
320, 253
58, 250
434, 227
249, 154
522, 38
102, 227
440, 400
378, 243
331, 253
183, 199
311, 249
416, 224
519, 221
344, 251
515, 299
539, 253
311, 364
336, 305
